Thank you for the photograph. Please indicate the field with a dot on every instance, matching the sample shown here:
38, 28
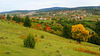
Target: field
92, 18
51, 45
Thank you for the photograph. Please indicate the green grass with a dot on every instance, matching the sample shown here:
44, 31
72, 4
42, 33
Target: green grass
52, 45
89, 30
91, 18
46, 21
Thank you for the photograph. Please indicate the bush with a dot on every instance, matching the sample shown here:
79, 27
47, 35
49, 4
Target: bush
42, 36
22, 36
29, 41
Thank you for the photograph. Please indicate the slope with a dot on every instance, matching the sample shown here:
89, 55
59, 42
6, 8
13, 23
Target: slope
51, 45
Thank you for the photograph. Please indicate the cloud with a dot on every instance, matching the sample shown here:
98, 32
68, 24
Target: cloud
6, 5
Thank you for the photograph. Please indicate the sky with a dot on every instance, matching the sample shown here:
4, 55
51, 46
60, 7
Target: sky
8, 5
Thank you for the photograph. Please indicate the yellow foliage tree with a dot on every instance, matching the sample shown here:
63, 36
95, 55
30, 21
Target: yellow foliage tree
79, 33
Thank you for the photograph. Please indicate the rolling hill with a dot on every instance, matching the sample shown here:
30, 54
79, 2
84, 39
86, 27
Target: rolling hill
53, 8
51, 45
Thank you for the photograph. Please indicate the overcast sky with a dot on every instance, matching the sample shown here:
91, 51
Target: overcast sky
8, 5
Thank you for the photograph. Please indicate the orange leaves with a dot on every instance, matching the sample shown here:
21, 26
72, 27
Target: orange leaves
21, 23
39, 27
47, 28
36, 39
86, 50
22, 36
14, 21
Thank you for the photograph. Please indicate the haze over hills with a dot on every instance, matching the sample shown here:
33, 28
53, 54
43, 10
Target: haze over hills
52, 8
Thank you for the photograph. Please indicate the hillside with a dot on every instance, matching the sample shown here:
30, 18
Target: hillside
14, 11
51, 45
97, 8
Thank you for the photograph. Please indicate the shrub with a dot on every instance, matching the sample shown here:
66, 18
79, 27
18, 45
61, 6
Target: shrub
22, 36
21, 23
42, 36
29, 41
14, 21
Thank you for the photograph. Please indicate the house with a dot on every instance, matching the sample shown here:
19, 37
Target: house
82, 17
43, 18
50, 19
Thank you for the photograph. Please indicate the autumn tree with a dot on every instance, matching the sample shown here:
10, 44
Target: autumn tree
47, 28
27, 22
2, 16
79, 33
39, 27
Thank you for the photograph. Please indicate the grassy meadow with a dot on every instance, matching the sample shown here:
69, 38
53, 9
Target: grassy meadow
51, 45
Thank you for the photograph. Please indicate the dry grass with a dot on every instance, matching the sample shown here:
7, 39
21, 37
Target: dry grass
86, 50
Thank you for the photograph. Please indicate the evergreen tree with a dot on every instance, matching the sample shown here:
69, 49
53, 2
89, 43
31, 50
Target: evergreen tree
8, 17
67, 31
17, 19
27, 22
29, 41
14, 18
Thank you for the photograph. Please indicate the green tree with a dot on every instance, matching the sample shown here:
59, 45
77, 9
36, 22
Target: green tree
27, 22
17, 19
67, 31
14, 18
8, 17
29, 41
98, 28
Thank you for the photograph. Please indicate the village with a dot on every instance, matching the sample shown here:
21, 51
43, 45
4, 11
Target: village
67, 14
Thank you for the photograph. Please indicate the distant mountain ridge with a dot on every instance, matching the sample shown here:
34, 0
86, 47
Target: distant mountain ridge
52, 8
14, 11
